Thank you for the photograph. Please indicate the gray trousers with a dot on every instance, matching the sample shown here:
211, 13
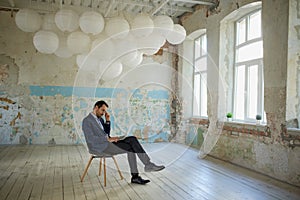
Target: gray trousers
132, 147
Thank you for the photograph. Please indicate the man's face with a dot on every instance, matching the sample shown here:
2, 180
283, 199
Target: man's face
101, 111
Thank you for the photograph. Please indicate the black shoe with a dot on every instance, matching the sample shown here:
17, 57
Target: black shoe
153, 168
139, 180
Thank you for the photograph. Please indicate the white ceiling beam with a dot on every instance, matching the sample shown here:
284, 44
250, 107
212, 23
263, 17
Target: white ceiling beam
137, 3
196, 2
143, 4
179, 8
158, 7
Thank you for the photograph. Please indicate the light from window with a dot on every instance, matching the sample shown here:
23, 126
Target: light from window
200, 65
200, 76
197, 48
203, 45
253, 90
241, 32
203, 94
240, 92
250, 52
248, 86
196, 102
254, 26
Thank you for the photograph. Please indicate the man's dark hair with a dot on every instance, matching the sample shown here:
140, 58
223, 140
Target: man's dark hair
100, 104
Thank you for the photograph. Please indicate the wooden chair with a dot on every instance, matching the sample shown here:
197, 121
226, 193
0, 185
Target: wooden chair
102, 157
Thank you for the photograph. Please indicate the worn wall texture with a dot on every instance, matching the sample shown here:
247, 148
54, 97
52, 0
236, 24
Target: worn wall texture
271, 149
44, 97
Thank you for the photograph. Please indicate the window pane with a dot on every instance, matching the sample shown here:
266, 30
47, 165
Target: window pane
241, 32
203, 90
250, 52
252, 91
254, 26
240, 93
196, 95
200, 65
197, 48
203, 45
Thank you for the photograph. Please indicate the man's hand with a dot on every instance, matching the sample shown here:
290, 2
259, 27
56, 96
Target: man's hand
113, 139
107, 116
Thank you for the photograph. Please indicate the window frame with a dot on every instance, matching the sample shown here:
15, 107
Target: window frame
201, 73
247, 64
260, 93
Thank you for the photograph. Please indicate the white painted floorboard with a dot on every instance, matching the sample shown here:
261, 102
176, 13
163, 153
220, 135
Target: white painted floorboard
53, 172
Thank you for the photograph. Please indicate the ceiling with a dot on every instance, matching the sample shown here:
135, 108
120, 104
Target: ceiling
110, 8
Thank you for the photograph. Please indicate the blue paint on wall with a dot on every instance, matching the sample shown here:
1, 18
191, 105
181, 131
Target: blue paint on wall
83, 104
66, 91
73, 91
137, 94
158, 94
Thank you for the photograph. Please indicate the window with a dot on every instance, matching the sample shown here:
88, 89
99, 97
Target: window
200, 75
248, 70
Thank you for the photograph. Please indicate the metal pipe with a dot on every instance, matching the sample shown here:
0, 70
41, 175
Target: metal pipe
196, 2
155, 10
110, 7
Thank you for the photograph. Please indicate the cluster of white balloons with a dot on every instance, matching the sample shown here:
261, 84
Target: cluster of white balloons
99, 44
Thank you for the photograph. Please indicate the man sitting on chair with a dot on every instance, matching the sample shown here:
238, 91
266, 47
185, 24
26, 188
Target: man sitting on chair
99, 141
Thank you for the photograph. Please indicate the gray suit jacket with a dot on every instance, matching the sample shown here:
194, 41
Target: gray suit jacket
95, 137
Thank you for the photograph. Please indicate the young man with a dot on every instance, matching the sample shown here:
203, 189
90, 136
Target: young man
98, 139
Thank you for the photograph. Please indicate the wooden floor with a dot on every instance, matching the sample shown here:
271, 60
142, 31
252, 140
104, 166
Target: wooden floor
52, 172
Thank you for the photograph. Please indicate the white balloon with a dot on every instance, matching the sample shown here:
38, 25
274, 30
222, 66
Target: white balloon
124, 46
150, 51
28, 20
45, 41
63, 50
142, 25
163, 24
117, 27
178, 34
151, 44
91, 22
49, 23
134, 61
67, 20
112, 71
126, 58
78, 42
103, 47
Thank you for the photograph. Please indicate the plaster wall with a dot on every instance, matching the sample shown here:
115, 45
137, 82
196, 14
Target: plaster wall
263, 148
44, 97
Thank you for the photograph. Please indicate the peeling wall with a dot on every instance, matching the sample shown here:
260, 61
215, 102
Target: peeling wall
270, 149
57, 113
44, 97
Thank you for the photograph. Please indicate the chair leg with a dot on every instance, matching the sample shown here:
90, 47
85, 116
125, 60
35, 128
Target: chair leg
100, 167
86, 168
117, 166
104, 168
